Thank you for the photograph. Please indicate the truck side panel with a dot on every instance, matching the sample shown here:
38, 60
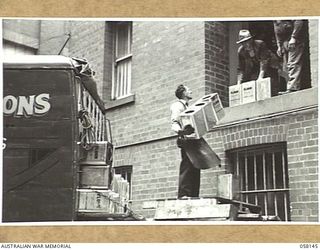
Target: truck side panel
39, 125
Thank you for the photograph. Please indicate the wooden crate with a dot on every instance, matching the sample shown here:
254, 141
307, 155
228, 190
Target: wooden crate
228, 186
96, 200
213, 109
263, 88
99, 154
94, 176
203, 115
235, 95
216, 105
248, 92
194, 116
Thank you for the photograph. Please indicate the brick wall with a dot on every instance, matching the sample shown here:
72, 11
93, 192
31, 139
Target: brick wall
156, 165
314, 40
303, 167
155, 170
165, 54
300, 131
52, 37
217, 59
88, 41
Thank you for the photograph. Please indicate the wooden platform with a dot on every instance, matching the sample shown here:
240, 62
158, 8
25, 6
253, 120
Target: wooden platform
194, 209
206, 208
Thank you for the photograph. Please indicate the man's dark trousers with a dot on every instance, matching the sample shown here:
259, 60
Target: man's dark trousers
189, 177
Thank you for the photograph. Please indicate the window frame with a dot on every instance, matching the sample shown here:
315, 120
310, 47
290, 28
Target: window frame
239, 159
118, 60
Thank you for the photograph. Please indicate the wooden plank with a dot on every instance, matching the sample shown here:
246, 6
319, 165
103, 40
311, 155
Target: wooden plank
191, 209
249, 216
252, 207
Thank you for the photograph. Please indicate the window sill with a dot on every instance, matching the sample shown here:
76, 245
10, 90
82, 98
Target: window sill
273, 106
119, 102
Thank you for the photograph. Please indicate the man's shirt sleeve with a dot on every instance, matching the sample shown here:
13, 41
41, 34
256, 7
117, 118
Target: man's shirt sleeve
297, 27
176, 109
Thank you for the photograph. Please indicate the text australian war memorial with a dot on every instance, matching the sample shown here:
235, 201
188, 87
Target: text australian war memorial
262, 75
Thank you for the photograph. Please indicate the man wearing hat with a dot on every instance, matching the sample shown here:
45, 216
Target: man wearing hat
256, 61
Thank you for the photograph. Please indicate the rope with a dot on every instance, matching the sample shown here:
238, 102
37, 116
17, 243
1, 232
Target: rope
88, 136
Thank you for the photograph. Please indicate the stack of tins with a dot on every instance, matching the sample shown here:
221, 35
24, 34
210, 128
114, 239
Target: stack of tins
203, 115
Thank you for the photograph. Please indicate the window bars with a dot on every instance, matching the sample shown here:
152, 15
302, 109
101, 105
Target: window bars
263, 174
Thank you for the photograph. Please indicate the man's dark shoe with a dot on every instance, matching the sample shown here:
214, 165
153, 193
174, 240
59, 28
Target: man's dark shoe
286, 92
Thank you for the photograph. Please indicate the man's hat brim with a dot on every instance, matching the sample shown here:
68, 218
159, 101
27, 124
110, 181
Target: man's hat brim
244, 39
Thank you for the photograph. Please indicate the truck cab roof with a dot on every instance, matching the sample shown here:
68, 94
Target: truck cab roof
38, 61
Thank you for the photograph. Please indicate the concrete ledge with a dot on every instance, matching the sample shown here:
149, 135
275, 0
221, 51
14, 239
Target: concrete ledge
116, 103
272, 106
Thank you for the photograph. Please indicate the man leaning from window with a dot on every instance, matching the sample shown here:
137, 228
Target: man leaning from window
256, 61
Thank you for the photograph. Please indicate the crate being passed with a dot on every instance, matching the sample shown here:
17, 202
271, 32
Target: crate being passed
203, 115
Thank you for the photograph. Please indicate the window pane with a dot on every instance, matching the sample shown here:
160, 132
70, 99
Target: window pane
250, 167
123, 80
271, 203
279, 170
123, 40
269, 171
122, 64
260, 181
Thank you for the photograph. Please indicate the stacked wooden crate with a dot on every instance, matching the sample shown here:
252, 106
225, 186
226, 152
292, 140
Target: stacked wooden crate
100, 190
94, 167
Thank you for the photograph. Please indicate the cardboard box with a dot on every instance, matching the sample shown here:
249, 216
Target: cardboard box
248, 92
235, 95
263, 88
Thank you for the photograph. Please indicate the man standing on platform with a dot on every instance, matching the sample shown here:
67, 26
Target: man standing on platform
189, 176
290, 37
